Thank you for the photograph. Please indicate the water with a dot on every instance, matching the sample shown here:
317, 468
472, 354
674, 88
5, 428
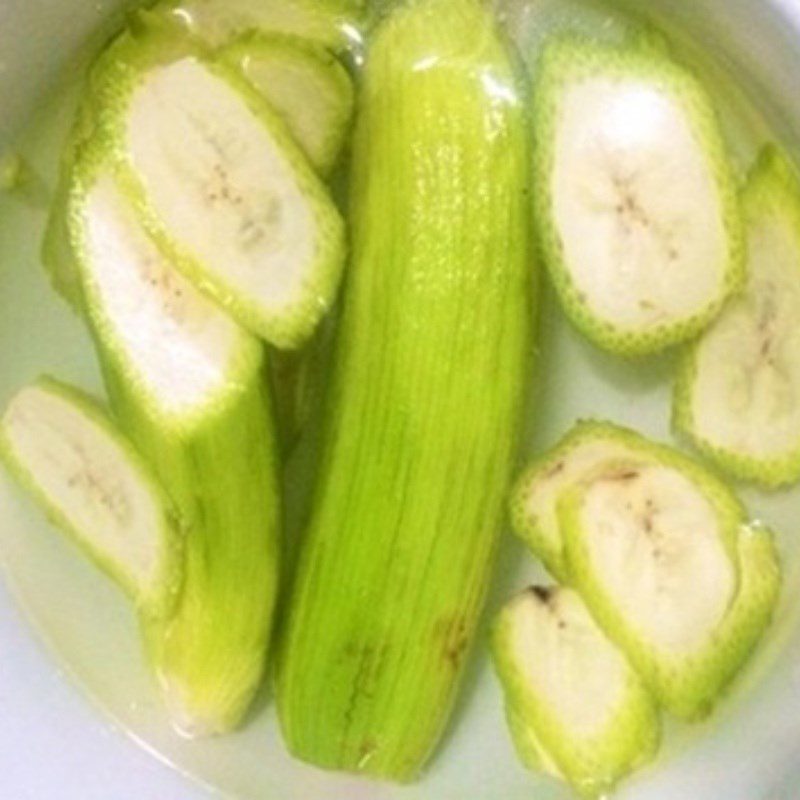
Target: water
92, 632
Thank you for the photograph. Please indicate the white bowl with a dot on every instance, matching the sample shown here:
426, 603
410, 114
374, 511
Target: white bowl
53, 745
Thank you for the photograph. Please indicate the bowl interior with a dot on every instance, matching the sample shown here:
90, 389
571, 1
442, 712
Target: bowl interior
750, 55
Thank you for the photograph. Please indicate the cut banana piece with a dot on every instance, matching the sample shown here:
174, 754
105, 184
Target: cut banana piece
576, 708
221, 186
738, 391
586, 447
305, 84
637, 206
187, 385
62, 447
180, 351
332, 23
649, 547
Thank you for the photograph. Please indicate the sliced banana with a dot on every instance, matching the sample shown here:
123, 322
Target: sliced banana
657, 551
187, 385
576, 708
637, 205
221, 186
332, 23
173, 344
305, 84
738, 391
534, 516
62, 447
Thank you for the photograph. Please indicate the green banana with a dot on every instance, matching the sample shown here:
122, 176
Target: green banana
425, 398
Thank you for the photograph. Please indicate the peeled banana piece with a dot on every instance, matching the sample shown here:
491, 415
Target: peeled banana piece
575, 707
187, 385
427, 388
636, 203
220, 184
738, 391
62, 448
661, 552
658, 553
534, 500
304, 83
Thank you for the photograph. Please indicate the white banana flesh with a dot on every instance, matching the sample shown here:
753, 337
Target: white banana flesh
653, 540
217, 180
738, 395
220, 185
643, 246
576, 707
65, 451
534, 505
659, 550
642, 228
145, 303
